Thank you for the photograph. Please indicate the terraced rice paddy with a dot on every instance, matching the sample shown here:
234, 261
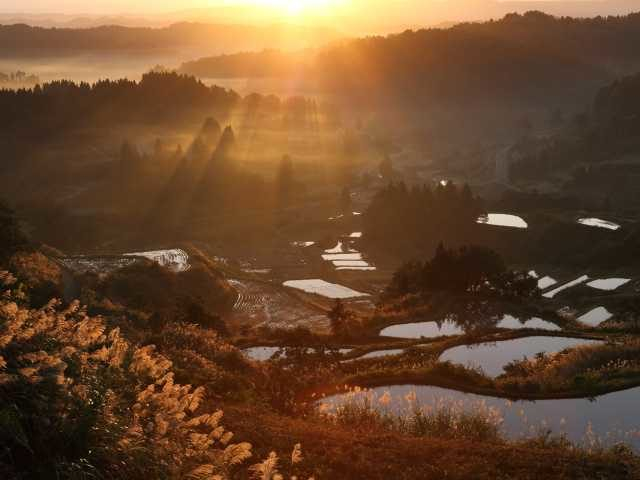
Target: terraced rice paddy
512, 323
595, 317
325, 289
598, 223
174, 259
605, 420
261, 304
492, 357
503, 220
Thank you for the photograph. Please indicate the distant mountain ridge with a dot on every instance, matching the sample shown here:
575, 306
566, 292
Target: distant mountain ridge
521, 58
24, 39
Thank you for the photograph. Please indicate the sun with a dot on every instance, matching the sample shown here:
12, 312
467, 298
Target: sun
299, 7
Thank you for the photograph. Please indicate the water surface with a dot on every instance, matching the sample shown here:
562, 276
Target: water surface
609, 418
325, 289
513, 323
422, 329
493, 357
565, 286
609, 284
595, 317
599, 223
503, 220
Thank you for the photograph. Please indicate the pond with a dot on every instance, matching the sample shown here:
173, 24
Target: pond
609, 418
493, 357
325, 289
513, 323
422, 329
565, 286
503, 220
609, 284
598, 223
595, 317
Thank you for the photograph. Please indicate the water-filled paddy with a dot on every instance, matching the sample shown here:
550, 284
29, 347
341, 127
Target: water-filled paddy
565, 286
325, 289
598, 223
610, 418
493, 357
422, 329
595, 317
350, 263
381, 353
368, 268
261, 353
503, 220
330, 257
609, 284
513, 323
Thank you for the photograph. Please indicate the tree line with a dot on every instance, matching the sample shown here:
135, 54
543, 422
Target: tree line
405, 220
466, 270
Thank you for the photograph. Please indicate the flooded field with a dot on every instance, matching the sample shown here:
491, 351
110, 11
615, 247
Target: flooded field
503, 220
598, 223
609, 284
261, 304
380, 353
565, 286
595, 317
261, 353
325, 289
492, 357
513, 323
607, 419
422, 329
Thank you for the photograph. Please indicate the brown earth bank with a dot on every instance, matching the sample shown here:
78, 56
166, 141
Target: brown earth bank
335, 452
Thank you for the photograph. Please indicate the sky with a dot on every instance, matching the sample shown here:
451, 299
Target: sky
372, 15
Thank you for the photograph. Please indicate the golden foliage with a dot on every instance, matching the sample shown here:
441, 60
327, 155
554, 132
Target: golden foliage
142, 406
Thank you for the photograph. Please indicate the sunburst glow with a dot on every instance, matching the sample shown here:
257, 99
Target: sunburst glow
299, 7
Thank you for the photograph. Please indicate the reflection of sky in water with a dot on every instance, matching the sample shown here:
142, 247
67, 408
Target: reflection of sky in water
612, 417
609, 283
492, 357
421, 329
595, 317
513, 323
503, 220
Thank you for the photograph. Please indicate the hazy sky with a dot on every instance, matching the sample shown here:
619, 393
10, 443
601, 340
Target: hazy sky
155, 6
374, 15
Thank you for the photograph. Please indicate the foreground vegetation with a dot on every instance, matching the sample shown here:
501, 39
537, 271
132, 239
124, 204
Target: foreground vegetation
114, 397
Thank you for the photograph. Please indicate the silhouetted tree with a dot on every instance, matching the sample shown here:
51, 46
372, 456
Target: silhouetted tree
340, 318
12, 237
285, 182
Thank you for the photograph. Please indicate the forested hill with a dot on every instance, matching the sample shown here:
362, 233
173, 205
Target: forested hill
20, 39
527, 58
157, 98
